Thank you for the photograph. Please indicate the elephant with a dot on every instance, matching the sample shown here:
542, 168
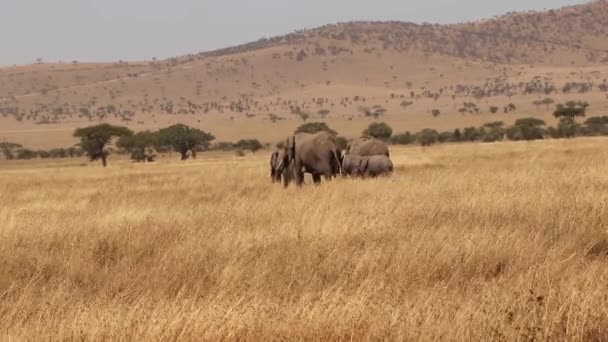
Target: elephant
375, 166
279, 167
350, 164
366, 147
316, 154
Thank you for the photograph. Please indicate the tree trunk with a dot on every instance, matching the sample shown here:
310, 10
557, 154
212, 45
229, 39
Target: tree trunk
104, 161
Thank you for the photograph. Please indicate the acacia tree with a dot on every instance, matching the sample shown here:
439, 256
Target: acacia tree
252, 145
567, 114
184, 140
95, 139
427, 137
8, 149
526, 129
140, 145
315, 127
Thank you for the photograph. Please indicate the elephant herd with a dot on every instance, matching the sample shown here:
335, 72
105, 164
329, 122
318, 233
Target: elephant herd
318, 154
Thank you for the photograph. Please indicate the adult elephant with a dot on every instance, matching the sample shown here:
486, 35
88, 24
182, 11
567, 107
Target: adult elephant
366, 147
375, 166
279, 167
316, 154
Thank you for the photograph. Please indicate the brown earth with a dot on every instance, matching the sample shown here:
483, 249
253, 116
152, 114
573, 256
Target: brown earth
334, 73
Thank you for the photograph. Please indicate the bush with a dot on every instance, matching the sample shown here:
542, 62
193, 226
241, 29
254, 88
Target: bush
26, 154
252, 145
427, 137
403, 139
378, 130
526, 129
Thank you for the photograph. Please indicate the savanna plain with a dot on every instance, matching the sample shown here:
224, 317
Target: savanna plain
503, 241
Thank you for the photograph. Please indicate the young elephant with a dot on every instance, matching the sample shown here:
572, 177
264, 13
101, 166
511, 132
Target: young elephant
274, 163
375, 166
350, 165
279, 167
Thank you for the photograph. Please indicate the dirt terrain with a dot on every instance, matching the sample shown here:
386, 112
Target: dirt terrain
337, 73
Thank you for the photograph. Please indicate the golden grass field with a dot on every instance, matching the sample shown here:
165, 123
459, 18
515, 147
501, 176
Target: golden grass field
471, 242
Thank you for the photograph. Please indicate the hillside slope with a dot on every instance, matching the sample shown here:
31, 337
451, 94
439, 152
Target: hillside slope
336, 73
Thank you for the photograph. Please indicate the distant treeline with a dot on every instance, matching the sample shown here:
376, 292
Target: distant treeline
95, 141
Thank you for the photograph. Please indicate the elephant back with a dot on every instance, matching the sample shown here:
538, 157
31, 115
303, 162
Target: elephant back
367, 147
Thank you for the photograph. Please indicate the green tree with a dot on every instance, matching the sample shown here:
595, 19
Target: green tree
94, 140
403, 139
446, 136
378, 130
526, 129
471, 134
8, 149
457, 135
252, 145
315, 127
427, 137
567, 115
184, 140
571, 110
493, 131
140, 145
597, 125
26, 154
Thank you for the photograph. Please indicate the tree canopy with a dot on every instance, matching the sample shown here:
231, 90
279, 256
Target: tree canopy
571, 110
140, 145
315, 127
8, 149
252, 145
378, 130
95, 139
184, 140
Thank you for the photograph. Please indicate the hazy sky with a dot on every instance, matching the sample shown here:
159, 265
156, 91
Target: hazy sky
109, 30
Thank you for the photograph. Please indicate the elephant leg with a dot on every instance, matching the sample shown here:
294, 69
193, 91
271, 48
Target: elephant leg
328, 176
316, 178
299, 176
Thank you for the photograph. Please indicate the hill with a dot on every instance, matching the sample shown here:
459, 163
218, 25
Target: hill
336, 73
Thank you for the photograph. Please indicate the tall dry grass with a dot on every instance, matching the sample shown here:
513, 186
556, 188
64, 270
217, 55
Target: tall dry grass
469, 242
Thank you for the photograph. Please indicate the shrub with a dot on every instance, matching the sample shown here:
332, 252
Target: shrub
378, 130
427, 137
403, 139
